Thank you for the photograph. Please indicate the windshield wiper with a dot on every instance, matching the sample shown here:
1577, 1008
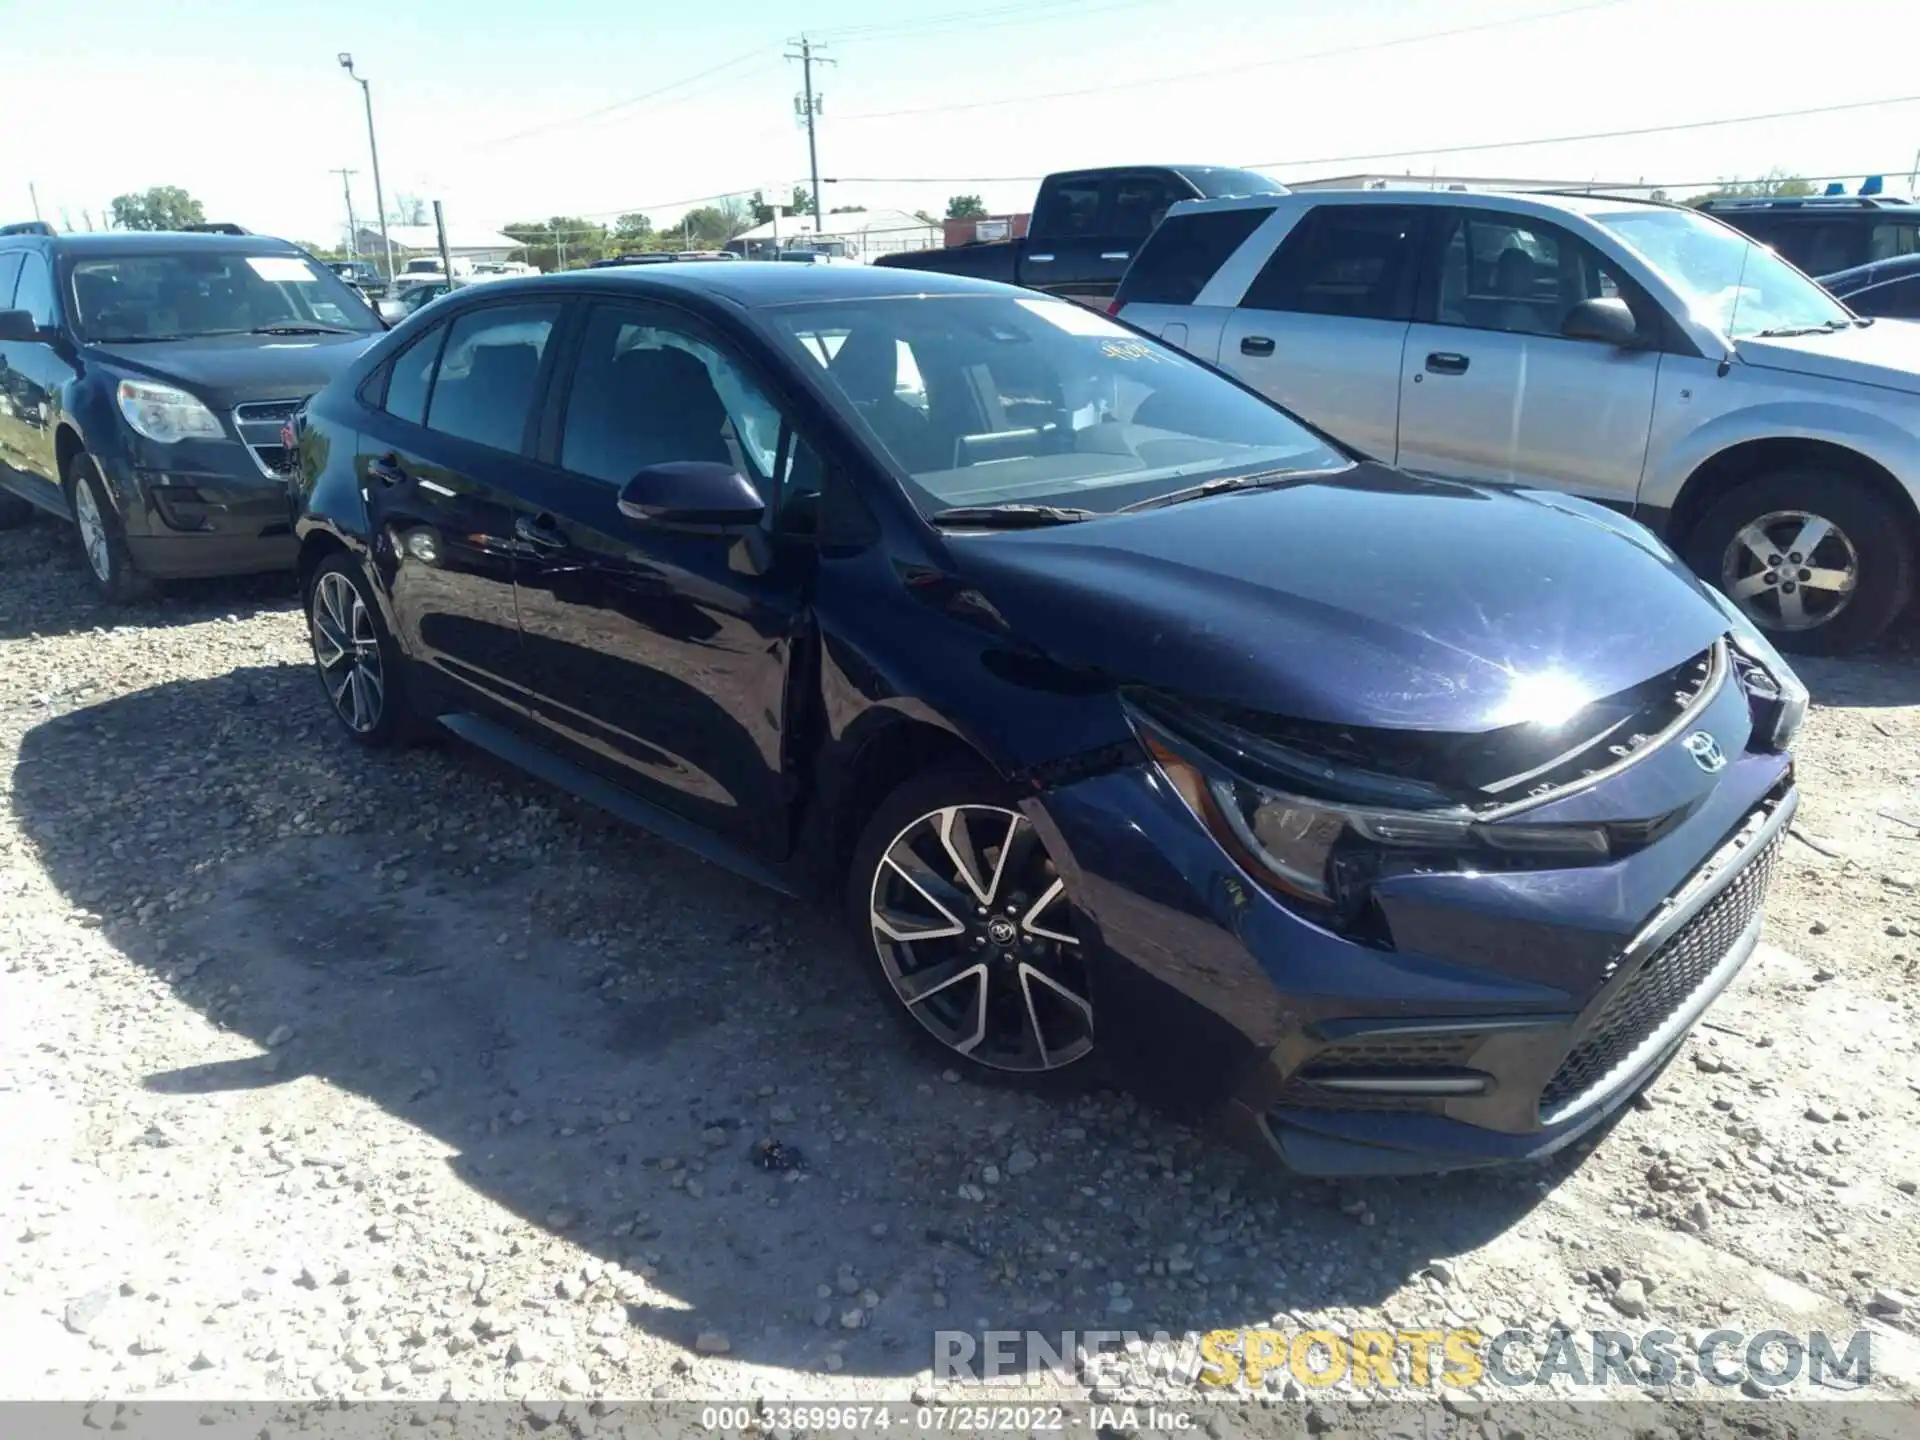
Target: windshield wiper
1011, 517
1220, 486
1783, 332
301, 330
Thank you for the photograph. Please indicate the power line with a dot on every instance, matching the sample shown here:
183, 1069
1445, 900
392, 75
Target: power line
626, 104
997, 19
1849, 105
1336, 52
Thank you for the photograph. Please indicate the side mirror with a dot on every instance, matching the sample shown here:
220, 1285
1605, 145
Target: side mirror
391, 311
692, 495
18, 325
1609, 321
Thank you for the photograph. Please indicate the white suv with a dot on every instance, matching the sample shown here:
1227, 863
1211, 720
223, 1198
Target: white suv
1639, 354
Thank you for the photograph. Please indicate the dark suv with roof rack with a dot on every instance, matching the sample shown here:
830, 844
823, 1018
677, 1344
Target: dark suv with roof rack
1825, 233
144, 382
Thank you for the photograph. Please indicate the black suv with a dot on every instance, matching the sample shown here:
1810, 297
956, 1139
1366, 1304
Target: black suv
1825, 233
144, 381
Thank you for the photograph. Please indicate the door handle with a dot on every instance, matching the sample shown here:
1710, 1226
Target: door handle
1255, 345
1114, 255
1445, 362
386, 469
539, 530
1039, 259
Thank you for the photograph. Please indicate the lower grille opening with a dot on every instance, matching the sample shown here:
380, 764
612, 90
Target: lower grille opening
1383, 1059
1660, 985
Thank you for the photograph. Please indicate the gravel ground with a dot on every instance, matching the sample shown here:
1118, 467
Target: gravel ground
338, 1075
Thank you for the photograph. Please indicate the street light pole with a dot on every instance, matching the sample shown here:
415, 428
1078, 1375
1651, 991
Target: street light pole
373, 148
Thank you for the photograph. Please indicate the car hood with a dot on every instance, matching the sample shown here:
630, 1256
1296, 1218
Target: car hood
1368, 597
1885, 353
225, 370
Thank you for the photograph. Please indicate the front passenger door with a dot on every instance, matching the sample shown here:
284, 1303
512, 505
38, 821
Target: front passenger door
662, 659
1492, 391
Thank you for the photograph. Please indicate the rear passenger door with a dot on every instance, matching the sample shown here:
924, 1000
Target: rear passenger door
443, 462
1322, 327
1491, 390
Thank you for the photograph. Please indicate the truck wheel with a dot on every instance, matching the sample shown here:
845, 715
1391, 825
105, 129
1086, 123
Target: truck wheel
1820, 562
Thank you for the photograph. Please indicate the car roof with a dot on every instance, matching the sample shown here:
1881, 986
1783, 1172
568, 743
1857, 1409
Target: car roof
755, 284
1537, 202
134, 242
1874, 272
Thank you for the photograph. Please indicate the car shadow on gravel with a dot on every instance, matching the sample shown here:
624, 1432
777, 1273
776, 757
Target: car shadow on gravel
50, 593
610, 1034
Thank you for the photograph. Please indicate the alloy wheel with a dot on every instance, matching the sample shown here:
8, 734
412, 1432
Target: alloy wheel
93, 529
1790, 570
347, 649
974, 931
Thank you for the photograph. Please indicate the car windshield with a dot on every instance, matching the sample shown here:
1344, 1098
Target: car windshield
1215, 182
153, 295
1729, 282
996, 400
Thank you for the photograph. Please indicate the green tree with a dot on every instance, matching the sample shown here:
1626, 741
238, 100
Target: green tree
1774, 183
848, 210
164, 207
966, 207
704, 228
800, 202
561, 242
633, 227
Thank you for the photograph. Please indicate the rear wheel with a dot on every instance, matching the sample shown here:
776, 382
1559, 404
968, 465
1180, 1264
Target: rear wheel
359, 665
1821, 562
103, 543
961, 913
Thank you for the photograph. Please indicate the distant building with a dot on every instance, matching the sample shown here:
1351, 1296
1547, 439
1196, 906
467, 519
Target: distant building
1459, 182
860, 234
985, 229
412, 240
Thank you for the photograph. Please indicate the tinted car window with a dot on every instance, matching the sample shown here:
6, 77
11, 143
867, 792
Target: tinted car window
980, 400
644, 393
1354, 260
410, 376
1896, 300
1180, 257
1888, 240
484, 388
1823, 249
9, 272
33, 292
1139, 203
1071, 208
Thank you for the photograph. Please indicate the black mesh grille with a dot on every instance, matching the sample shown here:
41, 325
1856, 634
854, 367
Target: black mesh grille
1382, 1056
276, 458
1662, 983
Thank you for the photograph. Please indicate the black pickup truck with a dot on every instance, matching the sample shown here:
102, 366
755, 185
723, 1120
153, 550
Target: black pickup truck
1087, 224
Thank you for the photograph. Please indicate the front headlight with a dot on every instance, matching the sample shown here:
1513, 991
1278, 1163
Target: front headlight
1327, 853
1788, 702
162, 413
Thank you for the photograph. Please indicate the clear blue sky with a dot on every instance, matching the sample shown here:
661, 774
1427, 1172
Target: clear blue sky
242, 102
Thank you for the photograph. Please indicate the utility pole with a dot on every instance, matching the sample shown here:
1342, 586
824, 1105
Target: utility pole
373, 148
353, 230
446, 255
34, 195
808, 105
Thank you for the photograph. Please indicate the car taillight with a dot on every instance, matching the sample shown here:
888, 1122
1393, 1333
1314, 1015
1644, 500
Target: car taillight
1113, 307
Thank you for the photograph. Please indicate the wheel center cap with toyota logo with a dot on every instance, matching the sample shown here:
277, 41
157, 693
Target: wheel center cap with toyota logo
1706, 751
1001, 931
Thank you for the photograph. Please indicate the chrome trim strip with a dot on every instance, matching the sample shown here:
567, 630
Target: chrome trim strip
1404, 1085
240, 420
1709, 692
1363, 1026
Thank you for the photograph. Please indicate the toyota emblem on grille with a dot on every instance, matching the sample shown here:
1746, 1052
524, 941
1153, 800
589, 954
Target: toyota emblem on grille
1706, 751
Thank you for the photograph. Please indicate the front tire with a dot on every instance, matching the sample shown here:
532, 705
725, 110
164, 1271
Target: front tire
360, 667
1821, 562
960, 915
103, 541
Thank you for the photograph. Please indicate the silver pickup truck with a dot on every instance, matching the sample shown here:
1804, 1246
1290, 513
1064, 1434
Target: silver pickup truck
1640, 354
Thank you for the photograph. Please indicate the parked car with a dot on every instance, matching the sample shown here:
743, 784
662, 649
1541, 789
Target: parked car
1131, 717
1086, 225
148, 377
360, 274
1886, 289
1825, 233
1639, 354
427, 270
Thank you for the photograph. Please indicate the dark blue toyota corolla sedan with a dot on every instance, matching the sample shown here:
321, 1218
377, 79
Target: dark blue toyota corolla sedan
1405, 824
